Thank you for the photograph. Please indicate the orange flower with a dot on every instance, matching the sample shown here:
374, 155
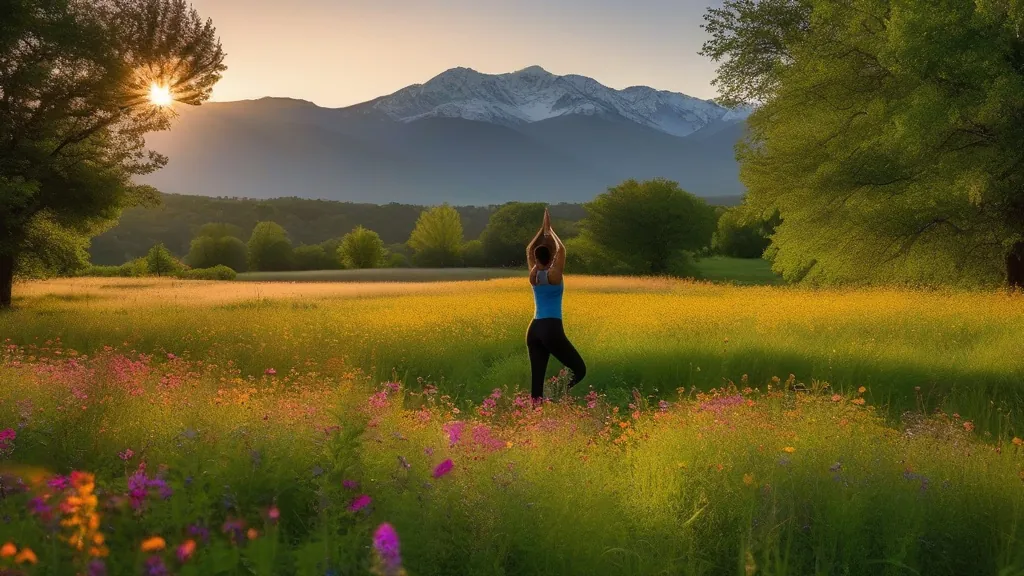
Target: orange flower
969, 426
252, 533
748, 479
187, 548
1017, 441
153, 544
858, 401
26, 555
789, 449
8, 550
862, 390
836, 397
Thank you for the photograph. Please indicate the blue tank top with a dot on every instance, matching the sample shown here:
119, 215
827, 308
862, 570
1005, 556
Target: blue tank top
547, 298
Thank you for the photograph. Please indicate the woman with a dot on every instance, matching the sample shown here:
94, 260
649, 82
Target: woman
546, 258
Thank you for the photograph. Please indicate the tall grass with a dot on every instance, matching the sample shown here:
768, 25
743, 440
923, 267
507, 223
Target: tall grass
960, 349
741, 481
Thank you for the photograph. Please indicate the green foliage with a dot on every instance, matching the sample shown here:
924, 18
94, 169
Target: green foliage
648, 224
437, 238
308, 257
178, 219
214, 273
160, 261
585, 256
75, 111
331, 259
509, 230
396, 260
740, 236
269, 248
473, 254
889, 139
51, 250
210, 251
362, 248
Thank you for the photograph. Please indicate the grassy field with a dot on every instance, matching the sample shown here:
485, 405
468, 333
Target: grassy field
272, 428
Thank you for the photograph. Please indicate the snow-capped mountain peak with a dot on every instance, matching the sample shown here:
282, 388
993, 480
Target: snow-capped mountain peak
533, 94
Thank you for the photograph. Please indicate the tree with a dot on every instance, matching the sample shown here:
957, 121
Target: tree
310, 257
270, 250
74, 108
331, 259
437, 238
890, 138
647, 224
473, 254
741, 236
362, 248
161, 262
509, 230
210, 251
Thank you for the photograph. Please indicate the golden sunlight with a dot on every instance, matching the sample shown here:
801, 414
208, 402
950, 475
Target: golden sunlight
160, 95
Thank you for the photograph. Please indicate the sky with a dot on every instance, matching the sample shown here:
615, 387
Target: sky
341, 52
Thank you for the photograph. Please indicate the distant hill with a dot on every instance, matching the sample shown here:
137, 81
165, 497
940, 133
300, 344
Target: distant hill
463, 137
176, 220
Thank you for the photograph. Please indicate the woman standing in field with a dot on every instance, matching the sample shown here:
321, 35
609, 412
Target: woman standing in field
546, 337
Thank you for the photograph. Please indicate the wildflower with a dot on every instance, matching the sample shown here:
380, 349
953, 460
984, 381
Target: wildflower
858, 401
386, 547
270, 371
454, 431
96, 568
126, 455
1017, 441
969, 426
200, 532
789, 449
350, 484
663, 405
252, 534
234, 529
748, 479
155, 567
443, 468
8, 550
186, 549
171, 356
26, 555
7, 436
59, 483
405, 463
153, 544
836, 467
861, 390
273, 513
359, 502
836, 397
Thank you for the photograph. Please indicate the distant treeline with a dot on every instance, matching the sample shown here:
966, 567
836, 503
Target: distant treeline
178, 218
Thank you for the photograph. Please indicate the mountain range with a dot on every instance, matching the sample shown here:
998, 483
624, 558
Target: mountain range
463, 137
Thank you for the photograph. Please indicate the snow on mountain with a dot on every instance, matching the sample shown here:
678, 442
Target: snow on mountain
534, 94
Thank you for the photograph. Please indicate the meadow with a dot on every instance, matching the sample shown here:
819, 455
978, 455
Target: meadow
165, 426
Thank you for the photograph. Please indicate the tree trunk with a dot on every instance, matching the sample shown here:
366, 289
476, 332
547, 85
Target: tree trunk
6, 279
1015, 266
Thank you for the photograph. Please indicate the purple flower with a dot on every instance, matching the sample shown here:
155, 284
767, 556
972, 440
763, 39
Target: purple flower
97, 568
59, 483
155, 567
385, 544
443, 468
200, 532
7, 435
126, 455
359, 502
350, 484
454, 431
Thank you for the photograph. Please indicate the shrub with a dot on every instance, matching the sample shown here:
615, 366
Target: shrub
219, 272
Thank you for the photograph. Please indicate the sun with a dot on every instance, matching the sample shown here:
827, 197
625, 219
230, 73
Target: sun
160, 95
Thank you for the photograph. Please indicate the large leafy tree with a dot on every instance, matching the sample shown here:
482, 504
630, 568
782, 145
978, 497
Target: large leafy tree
362, 248
75, 79
509, 229
437, 238
890, 135
270, 249
648, 224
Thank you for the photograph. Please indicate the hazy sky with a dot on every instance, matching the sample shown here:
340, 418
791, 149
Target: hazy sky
341, 52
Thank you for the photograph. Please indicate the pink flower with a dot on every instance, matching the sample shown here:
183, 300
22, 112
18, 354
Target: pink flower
274, 513
270, 371
443, 468
385, 544
350, 484
126, 455
7, 434
454, 431
359, 502
171, 356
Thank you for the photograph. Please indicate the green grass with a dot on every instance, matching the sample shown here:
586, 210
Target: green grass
742, 271
251, 397
383, 275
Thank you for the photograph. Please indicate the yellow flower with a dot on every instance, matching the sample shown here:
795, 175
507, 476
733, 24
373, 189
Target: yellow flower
8, 550
748, 479
26, 555
789, 449
862, 390
153, 544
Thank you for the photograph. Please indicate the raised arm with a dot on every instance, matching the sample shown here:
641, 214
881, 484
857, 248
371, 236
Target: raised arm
558, 261
542, 235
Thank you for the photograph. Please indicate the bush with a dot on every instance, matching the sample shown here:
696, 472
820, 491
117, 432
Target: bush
220, 272
473, 254
101, 271
160, 262
210, 251
584, 256
397, 260
741, 236
361, 248
134, 269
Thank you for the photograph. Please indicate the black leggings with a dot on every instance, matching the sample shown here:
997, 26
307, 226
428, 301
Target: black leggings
547, 338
